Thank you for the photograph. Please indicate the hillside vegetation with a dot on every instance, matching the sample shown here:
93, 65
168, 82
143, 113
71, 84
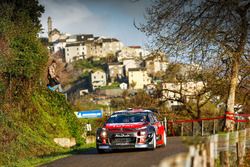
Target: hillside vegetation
30, 115
30, 134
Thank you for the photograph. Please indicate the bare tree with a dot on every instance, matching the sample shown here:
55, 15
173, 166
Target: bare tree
192, 90
211, 32
140, 100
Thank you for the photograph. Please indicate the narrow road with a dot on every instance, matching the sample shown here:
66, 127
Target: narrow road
127, 158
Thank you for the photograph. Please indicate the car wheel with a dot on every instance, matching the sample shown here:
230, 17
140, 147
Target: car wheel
153, 147
164, 136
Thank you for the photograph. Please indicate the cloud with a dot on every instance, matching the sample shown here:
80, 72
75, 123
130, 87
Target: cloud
69, 16
111, 18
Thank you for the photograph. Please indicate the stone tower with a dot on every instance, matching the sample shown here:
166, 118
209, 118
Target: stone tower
49, 26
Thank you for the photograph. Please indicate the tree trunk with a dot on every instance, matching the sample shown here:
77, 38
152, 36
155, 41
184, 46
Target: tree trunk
229, 123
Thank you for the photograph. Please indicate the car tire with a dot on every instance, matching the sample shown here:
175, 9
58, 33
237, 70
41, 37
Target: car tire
153, 147
164, 137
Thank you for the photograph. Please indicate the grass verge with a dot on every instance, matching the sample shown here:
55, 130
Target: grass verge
46, 159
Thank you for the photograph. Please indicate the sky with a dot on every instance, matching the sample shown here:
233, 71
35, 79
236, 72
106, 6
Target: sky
108, 18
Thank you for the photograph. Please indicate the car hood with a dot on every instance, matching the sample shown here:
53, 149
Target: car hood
117, 126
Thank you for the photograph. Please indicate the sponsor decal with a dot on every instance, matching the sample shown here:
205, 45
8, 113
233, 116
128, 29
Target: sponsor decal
121, 135
125, 125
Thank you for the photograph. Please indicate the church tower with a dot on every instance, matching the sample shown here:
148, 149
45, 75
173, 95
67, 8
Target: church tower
49, 26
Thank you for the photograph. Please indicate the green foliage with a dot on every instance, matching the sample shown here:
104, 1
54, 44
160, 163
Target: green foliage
22, 56
58, 106
210, 110
2, 88
30, 8
87, 64
85, 104
30, 57
47, 159
112, 86
111, 57
30, 134
30, 116
85, 74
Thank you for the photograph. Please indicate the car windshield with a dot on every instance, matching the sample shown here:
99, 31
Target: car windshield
128, 118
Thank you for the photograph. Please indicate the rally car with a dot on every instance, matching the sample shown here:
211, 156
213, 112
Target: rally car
132, 128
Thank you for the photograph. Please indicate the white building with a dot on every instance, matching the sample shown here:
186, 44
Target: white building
131, 52
74, 51
76, 47
187, 89
123, 86
98, 79
189, 69
156, 63
111, 45
71, 39
138, 78
115, 71
59, 45
102, 47
130, 63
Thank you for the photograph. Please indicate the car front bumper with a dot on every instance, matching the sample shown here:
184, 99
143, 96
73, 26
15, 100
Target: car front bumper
135, 144
111, 147
124, 140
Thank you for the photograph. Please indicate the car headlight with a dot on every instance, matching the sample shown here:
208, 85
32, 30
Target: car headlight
104, 133
142, 133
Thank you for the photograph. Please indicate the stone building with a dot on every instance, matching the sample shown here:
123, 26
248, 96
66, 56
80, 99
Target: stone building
156, 63
74, 51
98, 79
115, 71
138, 78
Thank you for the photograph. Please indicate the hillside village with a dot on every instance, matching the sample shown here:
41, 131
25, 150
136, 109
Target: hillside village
115, 67
66, 97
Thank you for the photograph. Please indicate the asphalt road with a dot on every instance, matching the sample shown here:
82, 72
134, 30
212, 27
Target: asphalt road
126, 158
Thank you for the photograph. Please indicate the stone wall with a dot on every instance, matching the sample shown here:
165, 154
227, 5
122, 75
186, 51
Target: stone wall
65, 142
